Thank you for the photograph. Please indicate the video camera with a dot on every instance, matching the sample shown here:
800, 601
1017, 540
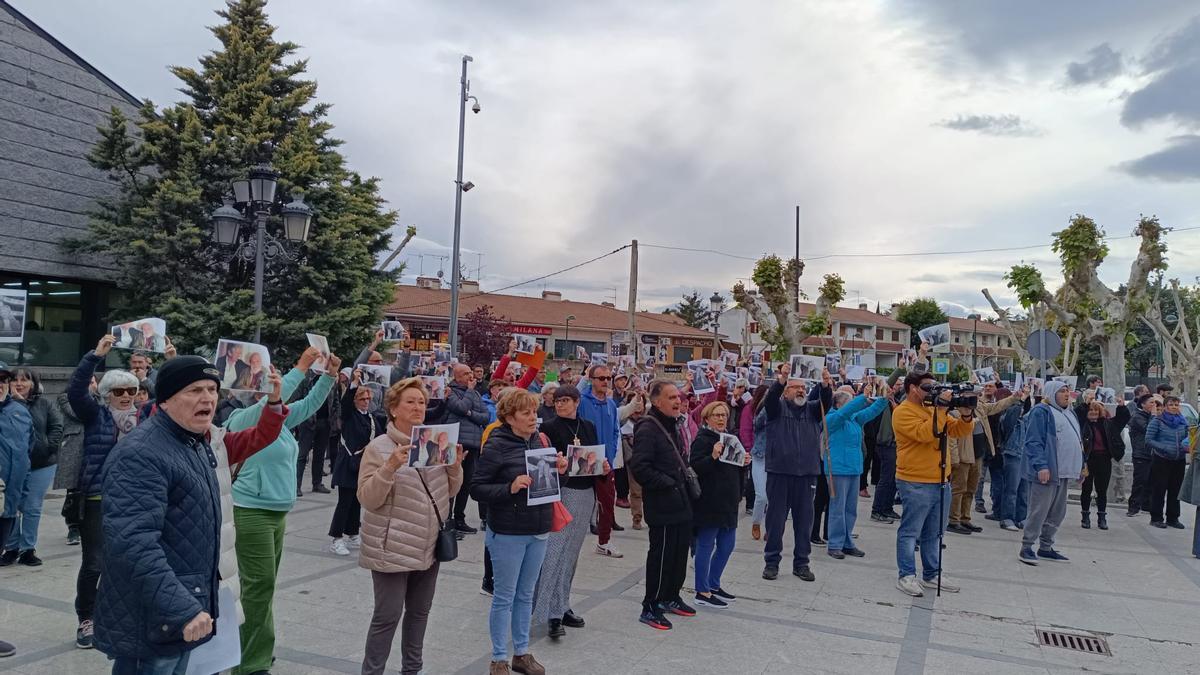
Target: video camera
962, 395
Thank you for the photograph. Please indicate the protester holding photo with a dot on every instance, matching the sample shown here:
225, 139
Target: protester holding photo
18, 439
553, 597
70, 461
1102, 446
516, 532
400, 523
231, 366
400, 370
262, 497
465, 406
360, 426
844, 424
105, 422
597, 406
758, 459
26, 388
715, 514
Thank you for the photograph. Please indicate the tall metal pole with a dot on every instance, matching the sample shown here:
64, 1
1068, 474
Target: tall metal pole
260, 227
633, 282
797, 258
455, 282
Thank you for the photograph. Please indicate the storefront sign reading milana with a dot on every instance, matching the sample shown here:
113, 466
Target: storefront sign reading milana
531, 330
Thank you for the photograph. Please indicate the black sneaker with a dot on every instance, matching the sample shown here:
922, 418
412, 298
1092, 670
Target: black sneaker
854, 552
617, 528
1176, 524
882, 518
958, 529
573, 620
556, 629
655, 619
836, 554
29, 559
6, 649
487, 589
73, 536
1154, 523
818, 541
770, 572
8, 557
972, 527
462, 526
892, 514
677, 607
720, 593
320, 489
83, 636
980, 508
711, 601
804, 573
1133, 512
992, 516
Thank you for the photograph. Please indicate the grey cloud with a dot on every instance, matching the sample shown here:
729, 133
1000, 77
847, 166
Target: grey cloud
991, 125
1174, 93
1178, 162
930, 278
1102, 65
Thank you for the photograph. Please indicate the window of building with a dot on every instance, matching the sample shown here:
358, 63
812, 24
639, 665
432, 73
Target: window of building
895, 336
986, 339
878, 333
682, 354
565, 349
53, 323
957, 338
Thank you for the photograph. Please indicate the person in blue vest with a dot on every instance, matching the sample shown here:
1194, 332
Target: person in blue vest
597, 406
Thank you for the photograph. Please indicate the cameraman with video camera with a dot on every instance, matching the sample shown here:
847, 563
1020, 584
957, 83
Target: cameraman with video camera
921, 424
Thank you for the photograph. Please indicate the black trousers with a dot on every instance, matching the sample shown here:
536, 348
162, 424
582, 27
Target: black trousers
91, 540
314, 437
460, 500
666, 562
622, 483
820, 506
1166, 475
1099, 472
789, 494
748, 487
347, 515
885, 489
870, 467
1139, 492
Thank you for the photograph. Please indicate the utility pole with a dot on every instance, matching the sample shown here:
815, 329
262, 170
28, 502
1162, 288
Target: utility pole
634, 347
797, 260
455, 280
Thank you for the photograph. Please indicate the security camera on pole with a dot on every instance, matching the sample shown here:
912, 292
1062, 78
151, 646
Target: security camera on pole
459, 188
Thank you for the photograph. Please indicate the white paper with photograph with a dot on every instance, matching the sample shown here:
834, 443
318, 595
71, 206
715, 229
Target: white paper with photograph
599, 359
855, 373
224, 650
833, 362
700, 382
1037, 385
754, 375
243, 366
585, 460
729, 360
1106, 395
806, 367
376, 374
433, 444
435, 386
322, 345
541, 464
1069, 380
935, 335
12, 315
148, 334
985, 375
732, 451
1018, 381
392, 330
526, 344
441, 352
581, 353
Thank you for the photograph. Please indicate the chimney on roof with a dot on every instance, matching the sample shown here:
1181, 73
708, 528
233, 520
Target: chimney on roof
608, 304
429, 282
468, 287
552, 295
862, 306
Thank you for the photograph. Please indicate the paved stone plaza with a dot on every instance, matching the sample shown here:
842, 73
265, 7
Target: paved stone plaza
1135, 586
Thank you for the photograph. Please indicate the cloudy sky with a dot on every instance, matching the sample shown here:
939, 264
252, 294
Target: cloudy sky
898, 127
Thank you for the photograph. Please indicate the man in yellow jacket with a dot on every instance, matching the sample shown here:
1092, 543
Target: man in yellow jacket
921, 479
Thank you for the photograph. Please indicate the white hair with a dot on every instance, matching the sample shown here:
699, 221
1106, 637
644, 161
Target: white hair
840, 397
115, 379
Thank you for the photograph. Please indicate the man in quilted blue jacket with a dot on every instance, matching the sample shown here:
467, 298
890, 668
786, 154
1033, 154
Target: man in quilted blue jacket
162, 517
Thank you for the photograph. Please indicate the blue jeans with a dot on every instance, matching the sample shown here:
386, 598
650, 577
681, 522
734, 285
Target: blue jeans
1014, 502
163, 665
29, 509
996, 473
516, 563
843, 512
758, 473
714, 545
920, 521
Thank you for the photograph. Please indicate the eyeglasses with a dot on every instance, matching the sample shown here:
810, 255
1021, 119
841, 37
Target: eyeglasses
124, 391
602, 378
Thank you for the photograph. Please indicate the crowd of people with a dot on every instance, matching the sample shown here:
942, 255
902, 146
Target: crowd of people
178, 492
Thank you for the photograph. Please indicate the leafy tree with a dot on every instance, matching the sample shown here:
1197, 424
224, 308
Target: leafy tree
920, 314
776, 303
693, 310
483, 336
1099, 314
247, 102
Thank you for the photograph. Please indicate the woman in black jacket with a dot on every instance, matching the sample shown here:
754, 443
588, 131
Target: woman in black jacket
359, 427
1102, 444
517, 532
552, 602
657, 464
26, 387
716, 512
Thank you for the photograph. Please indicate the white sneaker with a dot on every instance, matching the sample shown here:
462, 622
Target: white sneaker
910, 585
947, 587
608, 550
338, 547
353, 542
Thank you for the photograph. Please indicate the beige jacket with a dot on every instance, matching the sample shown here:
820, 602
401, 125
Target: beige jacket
962, 450
399, 526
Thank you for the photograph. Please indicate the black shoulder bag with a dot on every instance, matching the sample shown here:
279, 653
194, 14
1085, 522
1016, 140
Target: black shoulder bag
445, 547
691, 481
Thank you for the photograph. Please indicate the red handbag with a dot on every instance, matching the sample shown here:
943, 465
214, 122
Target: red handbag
561, 518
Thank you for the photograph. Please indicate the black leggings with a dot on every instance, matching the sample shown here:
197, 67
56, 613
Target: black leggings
91, 539
1099, 472
1166, 477
460, 499
821, 506
666, 562
347, 515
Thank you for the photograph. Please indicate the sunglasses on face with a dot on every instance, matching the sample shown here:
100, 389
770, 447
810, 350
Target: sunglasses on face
602, 378
124, 391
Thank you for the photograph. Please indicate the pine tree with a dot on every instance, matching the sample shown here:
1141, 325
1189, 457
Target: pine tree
247, 103
693, 310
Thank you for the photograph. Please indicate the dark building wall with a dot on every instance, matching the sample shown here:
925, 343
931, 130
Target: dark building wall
51, 102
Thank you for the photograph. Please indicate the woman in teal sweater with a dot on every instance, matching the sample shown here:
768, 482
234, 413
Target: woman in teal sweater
844, 425
264, 490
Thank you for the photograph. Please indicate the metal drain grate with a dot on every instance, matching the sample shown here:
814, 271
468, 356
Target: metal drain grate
1079, 643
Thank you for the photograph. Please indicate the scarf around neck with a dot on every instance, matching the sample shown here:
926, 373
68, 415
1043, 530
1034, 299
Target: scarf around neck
1173, 420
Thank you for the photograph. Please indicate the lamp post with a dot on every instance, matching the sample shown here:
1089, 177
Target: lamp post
459, 188
716, 305
974, 338
253, 204
567, 334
